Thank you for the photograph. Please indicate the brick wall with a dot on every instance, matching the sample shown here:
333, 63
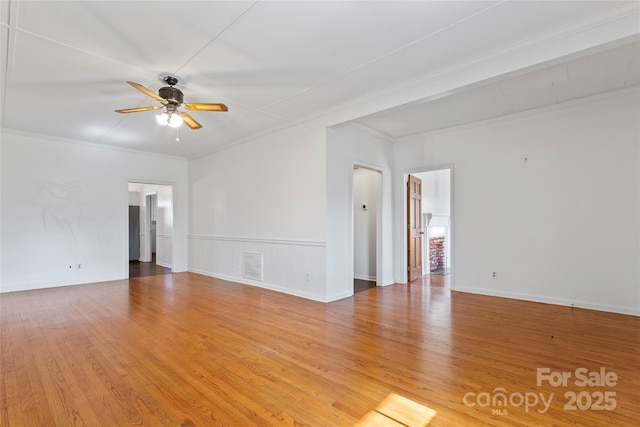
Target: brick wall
436, 253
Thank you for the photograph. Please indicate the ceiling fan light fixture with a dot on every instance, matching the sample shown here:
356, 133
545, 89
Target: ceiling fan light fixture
163, 119
175, 120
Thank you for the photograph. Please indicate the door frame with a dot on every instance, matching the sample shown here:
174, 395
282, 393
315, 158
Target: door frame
147, 213
404, 256
379, 263
148, 240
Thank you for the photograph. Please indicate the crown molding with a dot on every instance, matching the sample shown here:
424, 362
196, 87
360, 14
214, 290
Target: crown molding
8, 131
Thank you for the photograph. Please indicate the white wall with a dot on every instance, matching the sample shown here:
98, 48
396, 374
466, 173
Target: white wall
561, 226
436, 190
289, 196
164, 227
65, 203
349, 145
265, 196
366, 189
134, 197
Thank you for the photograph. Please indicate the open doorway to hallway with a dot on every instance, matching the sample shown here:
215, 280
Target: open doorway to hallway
367, 187
150, 229
436, 225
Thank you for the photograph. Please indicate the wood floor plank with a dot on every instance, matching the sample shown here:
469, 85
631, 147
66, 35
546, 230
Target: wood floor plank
188, 350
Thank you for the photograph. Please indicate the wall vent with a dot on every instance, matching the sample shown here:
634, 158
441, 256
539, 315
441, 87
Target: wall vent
252, 266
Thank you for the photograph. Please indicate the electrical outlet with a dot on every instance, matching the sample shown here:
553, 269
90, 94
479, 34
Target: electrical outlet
494, 275
79, 266
308, 277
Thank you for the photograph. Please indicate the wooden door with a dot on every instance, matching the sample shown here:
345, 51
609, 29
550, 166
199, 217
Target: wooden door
414, 228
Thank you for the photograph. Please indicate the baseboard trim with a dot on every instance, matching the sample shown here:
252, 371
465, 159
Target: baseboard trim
263, 285
367, 278
550, 300
337, 297
33, 286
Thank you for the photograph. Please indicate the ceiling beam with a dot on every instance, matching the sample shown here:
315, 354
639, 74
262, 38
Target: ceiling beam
587, 37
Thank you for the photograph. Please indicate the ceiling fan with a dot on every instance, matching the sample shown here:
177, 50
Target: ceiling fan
171, 99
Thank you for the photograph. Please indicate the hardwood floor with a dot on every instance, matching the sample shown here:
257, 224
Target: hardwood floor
188, 350
141, 269
360, 285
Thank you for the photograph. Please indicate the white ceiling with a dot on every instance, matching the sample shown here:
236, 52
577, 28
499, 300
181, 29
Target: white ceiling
397, 67
610, 70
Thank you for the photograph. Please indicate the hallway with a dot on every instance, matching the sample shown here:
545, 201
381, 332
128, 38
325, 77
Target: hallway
142, 269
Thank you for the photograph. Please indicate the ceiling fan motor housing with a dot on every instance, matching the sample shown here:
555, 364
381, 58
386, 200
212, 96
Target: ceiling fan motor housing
171, 94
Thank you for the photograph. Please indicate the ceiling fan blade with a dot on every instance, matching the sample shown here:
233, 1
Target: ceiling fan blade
137, 109
190, 121
148, 92
206, 107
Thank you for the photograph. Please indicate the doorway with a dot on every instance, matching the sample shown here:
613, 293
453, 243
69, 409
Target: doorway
436, 225
367, 188
154, 241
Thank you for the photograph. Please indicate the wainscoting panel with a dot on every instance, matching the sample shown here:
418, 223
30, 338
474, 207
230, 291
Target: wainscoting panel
295, 267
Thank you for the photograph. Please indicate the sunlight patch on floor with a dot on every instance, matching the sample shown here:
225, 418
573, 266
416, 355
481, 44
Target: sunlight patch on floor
396, 410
